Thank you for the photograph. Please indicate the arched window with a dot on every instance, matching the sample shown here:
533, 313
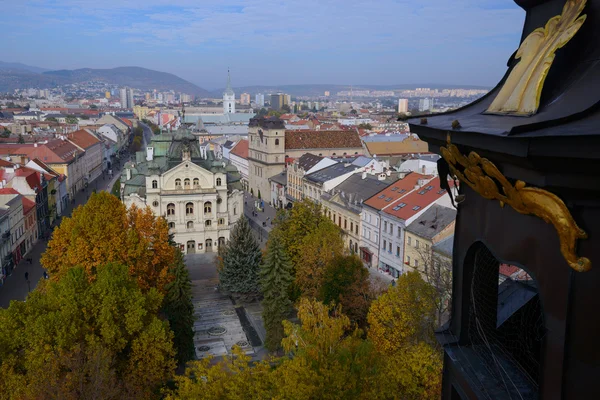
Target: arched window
333, 154
221, 221
196, 182
189, 209
178, 183
276, 142
207, 222
207, 207
218, 181
155, 203
170, 209
186, 183
171, 225
154, 184
190, 225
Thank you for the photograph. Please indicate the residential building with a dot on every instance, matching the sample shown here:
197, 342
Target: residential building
200, 196
245, 99
12, 201
5, 246
402, 106
278, 189
115, 135
227, 146
130, 102
92, 153
123, 97
426, 104
431, 227
228, 97
259, 99
369, 243
30, 223
422, 163
395, 219
238, 156
343, 204
306, 164
277, 101
114, 120
58, 197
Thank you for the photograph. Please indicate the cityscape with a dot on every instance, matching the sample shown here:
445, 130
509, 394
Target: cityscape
238, 233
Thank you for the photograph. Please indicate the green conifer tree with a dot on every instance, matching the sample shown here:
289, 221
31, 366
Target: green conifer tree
241, 261
179, 309
276, 278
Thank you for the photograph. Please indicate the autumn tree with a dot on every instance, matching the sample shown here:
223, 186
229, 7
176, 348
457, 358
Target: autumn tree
437, 271
401, 328
346, 282
77, 339
241, 261
276, 277
178, 307
104, 231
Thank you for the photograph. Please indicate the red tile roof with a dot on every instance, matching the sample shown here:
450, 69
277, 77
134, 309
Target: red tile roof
56, 151
295, 140
4, 163
8, 191
395, 191
83, 139
127, 122
241, 149
28, 205
417, 200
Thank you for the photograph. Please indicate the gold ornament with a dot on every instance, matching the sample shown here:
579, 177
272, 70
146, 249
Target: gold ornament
521, 93
477, 172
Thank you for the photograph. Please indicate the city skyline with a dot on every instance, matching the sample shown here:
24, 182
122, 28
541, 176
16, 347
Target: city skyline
462, 43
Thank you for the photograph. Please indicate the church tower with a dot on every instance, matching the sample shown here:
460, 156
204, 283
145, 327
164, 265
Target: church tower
228, 97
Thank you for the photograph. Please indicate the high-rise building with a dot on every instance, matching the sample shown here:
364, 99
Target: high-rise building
185, 98
426, 104
327, 94
107, 95
402, 105
287, 100
259, 99
130, 102
123, 97
245, 98
277, 101
228, 97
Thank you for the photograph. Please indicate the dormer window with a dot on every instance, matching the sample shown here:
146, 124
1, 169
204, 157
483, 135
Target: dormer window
178, 183
218, 181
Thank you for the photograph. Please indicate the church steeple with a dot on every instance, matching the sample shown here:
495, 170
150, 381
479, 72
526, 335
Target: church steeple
228, 97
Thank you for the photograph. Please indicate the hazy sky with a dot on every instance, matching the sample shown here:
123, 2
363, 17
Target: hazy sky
268, 41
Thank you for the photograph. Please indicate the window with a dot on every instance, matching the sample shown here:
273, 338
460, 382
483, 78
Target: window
340, 221
409, 240
426, 247
207, 222
397, 251
170, 209
155, 184
391, 229
196, 182
356, 230
345, 223
416, 262
390, 247
207, 207
171, 225
351, 226
221, 221
218, 181
186, 183
408, 260
190, 225
376, 221
234, 211
178, 183
364, 232
384, 226
416, 244
384, 245
189, 209
276, 142
416, 208
155, 203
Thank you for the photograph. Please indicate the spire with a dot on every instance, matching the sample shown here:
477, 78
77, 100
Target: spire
228, 90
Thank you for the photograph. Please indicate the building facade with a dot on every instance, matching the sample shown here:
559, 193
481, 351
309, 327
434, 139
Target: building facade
266, 153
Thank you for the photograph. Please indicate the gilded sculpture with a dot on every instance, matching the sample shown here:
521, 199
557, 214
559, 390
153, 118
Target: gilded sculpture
477, 172
521, 93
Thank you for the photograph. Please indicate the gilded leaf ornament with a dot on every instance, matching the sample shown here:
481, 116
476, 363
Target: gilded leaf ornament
481, 175
521, 93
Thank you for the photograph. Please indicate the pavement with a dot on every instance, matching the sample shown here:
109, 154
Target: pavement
265, 217
15, 286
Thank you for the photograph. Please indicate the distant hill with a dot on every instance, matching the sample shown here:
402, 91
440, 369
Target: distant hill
319, 90
137, 77
19, 76
21, 67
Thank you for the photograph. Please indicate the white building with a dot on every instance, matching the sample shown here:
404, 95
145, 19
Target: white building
422, 164
123, 97
228, 97
199, 194
402, 105
259, 99
238, 156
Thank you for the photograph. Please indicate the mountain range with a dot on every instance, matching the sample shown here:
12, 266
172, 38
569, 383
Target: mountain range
19, 76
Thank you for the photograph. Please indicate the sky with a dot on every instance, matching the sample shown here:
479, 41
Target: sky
270, 42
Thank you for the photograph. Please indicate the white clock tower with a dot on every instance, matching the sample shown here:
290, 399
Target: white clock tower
228, 97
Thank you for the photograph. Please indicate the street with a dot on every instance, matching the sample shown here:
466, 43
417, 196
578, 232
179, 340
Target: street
16, 286
261, 221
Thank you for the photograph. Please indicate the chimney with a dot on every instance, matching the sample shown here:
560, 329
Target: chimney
382, 177
402, 175
388, 172
149, 153
35, 145
128, 174
364, 175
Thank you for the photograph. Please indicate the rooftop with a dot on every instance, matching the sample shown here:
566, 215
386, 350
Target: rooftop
414, 203
399, 189
308, 160
432, 221
445, 247
407, 146
241, 149
295, 140
331, 172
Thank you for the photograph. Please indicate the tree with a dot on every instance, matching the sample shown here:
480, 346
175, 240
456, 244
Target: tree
274, 113
319, 248
51, 119
276, 277
77, 339
179, 309
21, 139
136, 145
93, 107
71, 119
401, 328
353, 112
241, 261
366, 126
346, 282
104, 231
262, 112
286, 108
437, 271
259, 197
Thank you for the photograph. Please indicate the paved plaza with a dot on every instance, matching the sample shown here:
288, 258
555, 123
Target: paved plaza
220, 324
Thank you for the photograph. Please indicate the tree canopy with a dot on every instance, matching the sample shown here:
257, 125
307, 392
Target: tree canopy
77, 339
104, 231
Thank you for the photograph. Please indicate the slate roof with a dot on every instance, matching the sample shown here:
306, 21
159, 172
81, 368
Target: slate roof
444, 247
330, 172
308, 160
432, 221
280, 178
354, 190
295, 140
